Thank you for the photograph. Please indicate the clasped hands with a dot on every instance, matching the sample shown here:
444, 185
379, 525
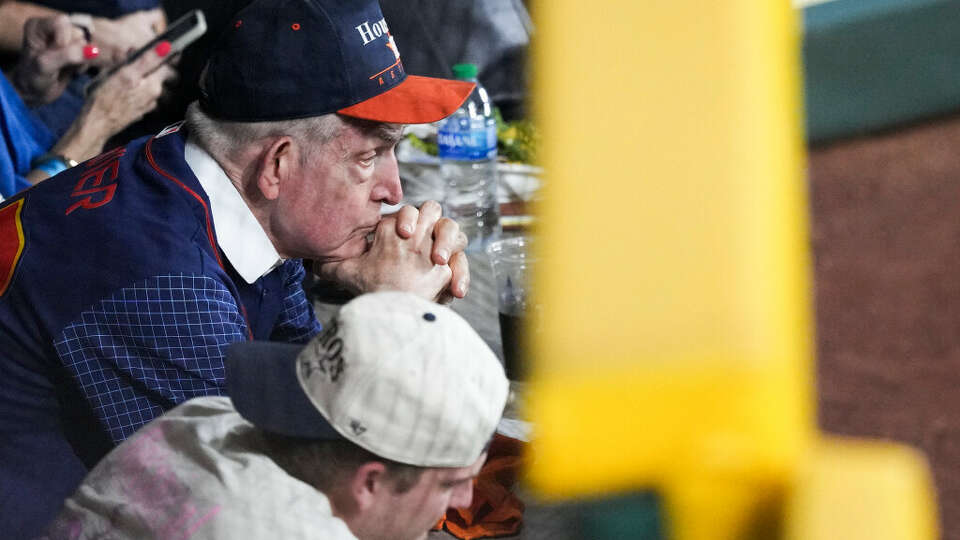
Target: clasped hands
417, 251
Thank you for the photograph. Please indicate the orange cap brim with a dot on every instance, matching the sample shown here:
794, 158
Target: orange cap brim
417, 100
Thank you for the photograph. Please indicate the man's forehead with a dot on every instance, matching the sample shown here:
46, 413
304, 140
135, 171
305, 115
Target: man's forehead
352, 139
373, 130
388, 133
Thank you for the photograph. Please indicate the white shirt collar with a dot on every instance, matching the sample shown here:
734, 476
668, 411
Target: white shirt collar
239, 234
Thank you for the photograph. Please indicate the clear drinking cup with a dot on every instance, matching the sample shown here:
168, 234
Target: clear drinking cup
512, 261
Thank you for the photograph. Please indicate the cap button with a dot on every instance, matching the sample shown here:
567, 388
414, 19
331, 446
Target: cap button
429, 317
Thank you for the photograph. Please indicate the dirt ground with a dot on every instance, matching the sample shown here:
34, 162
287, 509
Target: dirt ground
886, 243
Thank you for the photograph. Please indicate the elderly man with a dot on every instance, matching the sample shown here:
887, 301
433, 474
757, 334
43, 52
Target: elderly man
124, 279
371, 431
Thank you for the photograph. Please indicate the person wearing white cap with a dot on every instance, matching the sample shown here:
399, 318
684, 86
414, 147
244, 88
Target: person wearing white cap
370, 431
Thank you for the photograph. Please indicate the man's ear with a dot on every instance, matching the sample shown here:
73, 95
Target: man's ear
276, 165
368, 484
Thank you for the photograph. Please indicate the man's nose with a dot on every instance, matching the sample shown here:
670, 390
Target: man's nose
462, 496
388, 187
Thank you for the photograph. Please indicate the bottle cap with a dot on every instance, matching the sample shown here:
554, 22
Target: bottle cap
465, 71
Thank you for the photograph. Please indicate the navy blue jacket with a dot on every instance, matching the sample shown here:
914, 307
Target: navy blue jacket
116, 304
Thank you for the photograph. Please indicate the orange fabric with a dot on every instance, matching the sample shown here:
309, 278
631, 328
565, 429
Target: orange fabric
417, 100
495, 510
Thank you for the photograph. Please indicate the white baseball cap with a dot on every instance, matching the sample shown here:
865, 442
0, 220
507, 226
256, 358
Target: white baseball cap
407, 379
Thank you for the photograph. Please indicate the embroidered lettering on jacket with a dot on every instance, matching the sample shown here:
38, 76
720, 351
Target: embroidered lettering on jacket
98, 184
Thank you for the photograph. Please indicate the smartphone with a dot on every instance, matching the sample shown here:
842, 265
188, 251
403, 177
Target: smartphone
180, 34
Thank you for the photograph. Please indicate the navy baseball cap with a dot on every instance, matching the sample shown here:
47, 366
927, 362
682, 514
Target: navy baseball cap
287, 59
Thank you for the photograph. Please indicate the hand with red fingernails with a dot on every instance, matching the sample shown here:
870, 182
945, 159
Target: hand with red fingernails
54, 51
123, 98
117, 37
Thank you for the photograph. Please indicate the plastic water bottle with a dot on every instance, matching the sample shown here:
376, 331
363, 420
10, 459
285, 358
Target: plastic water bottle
467, 147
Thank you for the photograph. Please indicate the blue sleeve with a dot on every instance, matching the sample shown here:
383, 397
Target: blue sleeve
297, 322
24, 138
150, 347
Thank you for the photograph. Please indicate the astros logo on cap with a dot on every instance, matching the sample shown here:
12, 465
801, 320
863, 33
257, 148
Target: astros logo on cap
373, 32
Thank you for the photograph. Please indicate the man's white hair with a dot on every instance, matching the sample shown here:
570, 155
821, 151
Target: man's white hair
224, 138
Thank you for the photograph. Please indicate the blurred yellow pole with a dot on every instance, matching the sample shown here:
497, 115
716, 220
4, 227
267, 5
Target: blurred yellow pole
859, 489
677, 342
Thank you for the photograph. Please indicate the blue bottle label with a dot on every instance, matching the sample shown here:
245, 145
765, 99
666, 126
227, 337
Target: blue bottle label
474, 144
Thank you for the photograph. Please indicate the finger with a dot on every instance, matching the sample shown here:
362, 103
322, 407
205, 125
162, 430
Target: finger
54, 42
43, 32
163, 75
430, 212
150, 60
107, 55
35, 32
55, 60
439, 278
447, 240
153, 19
151, 88
69, 34
175, 59
407, 218
157, 81
170, 79
460, 274
386, 227
170, 87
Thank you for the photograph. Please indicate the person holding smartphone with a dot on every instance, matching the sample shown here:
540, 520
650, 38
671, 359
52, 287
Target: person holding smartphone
54, 50
115, 27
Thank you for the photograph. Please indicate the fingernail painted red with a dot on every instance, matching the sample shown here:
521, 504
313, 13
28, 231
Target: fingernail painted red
162, 48
91, 51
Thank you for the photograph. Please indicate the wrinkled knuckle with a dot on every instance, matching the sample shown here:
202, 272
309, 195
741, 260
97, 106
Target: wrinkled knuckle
63, 25
460, 259
409, 212
431, 206
45, 64
385, 225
